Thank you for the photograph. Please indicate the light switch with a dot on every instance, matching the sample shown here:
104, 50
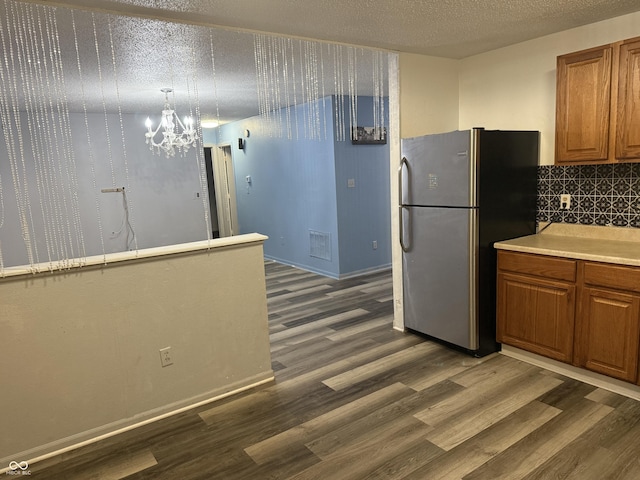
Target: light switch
351, 183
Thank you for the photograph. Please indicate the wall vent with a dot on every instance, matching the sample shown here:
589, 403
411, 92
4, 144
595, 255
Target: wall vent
320, 245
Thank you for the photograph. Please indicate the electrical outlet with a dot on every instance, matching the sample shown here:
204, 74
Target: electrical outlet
165, 357
374, 244
565, 201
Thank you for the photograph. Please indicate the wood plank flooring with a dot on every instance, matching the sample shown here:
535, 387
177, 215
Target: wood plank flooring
354, 399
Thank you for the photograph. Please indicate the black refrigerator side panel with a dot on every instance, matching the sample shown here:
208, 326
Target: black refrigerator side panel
507, 192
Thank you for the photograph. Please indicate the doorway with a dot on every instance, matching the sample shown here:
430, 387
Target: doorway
213, 204
222, 191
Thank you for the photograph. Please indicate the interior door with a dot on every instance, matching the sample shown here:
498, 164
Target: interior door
225, 190
213, 207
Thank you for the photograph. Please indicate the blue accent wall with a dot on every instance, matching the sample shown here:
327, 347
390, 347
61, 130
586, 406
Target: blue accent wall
363, 210
300, 185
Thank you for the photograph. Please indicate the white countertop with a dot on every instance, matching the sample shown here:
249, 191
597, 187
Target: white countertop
583, 242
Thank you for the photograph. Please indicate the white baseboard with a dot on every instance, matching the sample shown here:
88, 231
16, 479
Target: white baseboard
49, 450
602, 381
324, 273
366, 271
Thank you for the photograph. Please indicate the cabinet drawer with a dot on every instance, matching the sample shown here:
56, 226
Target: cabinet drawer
612, 276
541, 266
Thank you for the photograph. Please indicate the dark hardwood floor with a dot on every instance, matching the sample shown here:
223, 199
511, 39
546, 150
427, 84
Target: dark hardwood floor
354, 399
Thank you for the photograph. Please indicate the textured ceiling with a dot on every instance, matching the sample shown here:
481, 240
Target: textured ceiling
148, 53
447, 28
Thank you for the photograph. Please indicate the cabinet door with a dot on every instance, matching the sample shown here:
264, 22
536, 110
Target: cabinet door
628, 122
608, 333
536, 315
583, 102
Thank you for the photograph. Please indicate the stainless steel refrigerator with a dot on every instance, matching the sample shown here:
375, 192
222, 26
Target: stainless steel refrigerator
460, 192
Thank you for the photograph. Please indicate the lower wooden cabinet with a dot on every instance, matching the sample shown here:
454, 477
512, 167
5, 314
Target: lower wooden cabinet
608, 324
608, 334
578, 312
536, 315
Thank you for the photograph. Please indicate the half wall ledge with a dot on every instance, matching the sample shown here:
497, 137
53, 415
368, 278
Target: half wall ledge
81, 342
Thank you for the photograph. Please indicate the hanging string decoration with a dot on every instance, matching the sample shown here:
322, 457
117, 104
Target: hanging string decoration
1, 225
65, 108
199, 157
295, 76
37, 134
130, 233
92, 160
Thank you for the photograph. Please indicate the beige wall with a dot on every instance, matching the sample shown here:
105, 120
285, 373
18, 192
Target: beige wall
428, 95
514, 87
81, 347
508, 88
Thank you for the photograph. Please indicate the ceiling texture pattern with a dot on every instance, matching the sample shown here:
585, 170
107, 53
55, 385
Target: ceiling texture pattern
446, 28
145, 45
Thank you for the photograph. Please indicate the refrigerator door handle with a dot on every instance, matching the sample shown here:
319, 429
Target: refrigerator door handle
405, 247
403, 163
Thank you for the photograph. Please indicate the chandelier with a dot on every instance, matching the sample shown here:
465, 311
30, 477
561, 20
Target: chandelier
171, 125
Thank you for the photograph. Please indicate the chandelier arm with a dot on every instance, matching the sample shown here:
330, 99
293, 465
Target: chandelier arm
179, 122
152, 134
157, 129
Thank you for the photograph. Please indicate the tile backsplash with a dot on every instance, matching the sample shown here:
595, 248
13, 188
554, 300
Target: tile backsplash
600, 194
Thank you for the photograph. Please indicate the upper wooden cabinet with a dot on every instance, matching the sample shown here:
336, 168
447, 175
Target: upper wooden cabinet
583, 103
628, 121
598, 104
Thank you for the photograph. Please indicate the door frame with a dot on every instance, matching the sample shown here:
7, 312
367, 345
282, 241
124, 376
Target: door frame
225, 189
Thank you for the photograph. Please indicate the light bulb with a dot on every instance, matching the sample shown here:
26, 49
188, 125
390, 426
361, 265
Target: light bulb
148, 123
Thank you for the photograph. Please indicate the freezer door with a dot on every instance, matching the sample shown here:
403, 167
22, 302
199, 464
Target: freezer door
439, 170
439, 273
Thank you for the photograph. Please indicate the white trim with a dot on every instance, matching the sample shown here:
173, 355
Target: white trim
365, 271
133, 255
325, 273
194, 404
602, 381
394, 163
306, 268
